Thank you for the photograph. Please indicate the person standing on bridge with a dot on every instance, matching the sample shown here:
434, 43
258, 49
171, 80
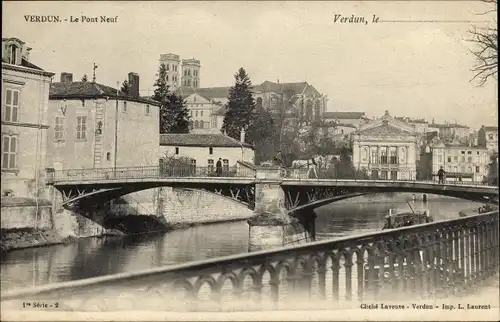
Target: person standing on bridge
218, 168
441, 174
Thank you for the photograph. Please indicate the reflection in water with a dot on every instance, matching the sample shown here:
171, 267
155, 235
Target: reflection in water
101, 256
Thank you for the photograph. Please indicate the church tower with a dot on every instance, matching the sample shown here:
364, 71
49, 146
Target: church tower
172, 62
191, 73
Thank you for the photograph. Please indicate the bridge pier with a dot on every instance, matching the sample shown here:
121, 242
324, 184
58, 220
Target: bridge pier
271, 226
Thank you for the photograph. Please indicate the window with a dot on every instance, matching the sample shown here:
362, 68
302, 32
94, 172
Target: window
477, 152
210, 165
9, 152
196, 124
166, 78
225, 165
469, 159
383, 156
196, 112
147, 110
449, 159
11, 110
490, 136
469, 152
374, 157
108, 156
393, 157
440, 158
83, 103
477, 169
124, 107
365, 154
455, 158
168, 66
193, 163
463, 152
13, 54
191, 113
189, 72
81, 128
202, 125
188, 82
59, 129
176, 150
210, 150
463, 158
201, 113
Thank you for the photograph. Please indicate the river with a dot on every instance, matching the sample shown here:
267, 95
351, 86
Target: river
92, 257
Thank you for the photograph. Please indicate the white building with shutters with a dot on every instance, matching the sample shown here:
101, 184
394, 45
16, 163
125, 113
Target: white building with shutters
86, 118
386, 149
25, 91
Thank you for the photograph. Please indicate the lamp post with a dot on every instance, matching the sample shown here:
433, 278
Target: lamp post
116, 127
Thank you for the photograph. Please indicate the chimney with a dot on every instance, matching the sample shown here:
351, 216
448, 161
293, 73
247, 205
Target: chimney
242, 136
133, 81
66, 78
26, 54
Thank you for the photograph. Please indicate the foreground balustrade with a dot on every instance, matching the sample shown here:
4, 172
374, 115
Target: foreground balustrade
429, 261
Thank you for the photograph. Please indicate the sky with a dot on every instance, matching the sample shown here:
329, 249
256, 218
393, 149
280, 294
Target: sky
414, 69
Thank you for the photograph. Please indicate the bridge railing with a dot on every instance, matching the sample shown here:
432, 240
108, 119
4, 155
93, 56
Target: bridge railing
148, 172
428, 261
394, 175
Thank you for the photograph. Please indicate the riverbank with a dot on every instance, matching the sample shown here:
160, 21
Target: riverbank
185, 225
19, 238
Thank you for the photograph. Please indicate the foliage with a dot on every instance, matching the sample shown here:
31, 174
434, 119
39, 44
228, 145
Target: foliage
492, 177
262, 133
84, 78
125, 89
486, 52
240, 106
174, 116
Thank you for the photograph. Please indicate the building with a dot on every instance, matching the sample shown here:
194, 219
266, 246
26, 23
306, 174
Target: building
172, 63
302, 101
92, 126
450, 131
421, 126
204, 150
202, 111
465, 163
191, 73
487, 137
25, 101
353, 118
386, 149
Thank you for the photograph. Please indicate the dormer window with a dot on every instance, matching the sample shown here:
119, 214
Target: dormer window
12, 53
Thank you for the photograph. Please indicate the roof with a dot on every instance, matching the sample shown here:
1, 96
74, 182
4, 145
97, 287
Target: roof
200, 140
265, 87
344, 115
221, 111
79, 90
24, 63
443, 126
385, 129
490, 128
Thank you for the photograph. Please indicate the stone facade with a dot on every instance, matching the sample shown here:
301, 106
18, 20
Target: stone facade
25, 91
487, 137
466, 163
83, 128
205, 149
386, 149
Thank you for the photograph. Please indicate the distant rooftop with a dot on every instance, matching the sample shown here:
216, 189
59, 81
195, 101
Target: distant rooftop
344, 115
200, 140
79, 90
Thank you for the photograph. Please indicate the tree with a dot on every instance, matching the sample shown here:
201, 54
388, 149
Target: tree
262, 133
84, 78
486, 51
174, 116
240, 106
344, 167
125, 89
